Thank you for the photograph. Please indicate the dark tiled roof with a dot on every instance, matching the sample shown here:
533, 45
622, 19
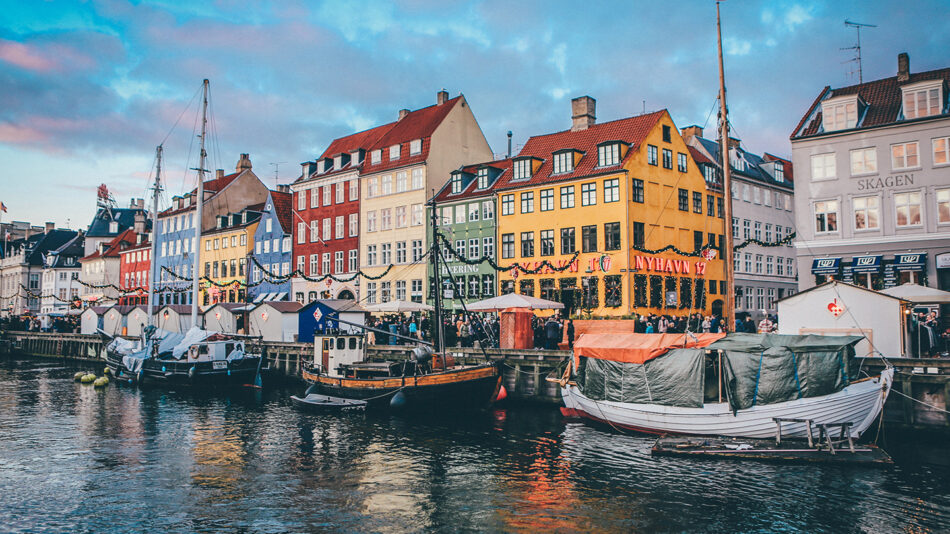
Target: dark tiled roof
417, 124
470, 190
883, 99
632, 130
753, 171
283, 206
100, 223
70, 249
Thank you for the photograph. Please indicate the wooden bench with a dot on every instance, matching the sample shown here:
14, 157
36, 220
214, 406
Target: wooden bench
778, 429
825, 429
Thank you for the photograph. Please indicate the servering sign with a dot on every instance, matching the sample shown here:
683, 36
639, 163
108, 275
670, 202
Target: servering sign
825, 265
866, 264
914, 261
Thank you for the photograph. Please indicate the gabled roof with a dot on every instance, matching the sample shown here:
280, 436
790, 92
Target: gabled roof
883, 98
72, 248
419, 124
632, 130
214, 186
753, 171
340, 305
283, 206
837, 283
283, 306
37, 245
470, 190
118, 243
346, 145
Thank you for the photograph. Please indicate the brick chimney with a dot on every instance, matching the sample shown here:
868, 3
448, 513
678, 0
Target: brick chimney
283, 188
219, 173
693, 131
243, 163
139, 223
734, 143
50, 226
442, 97
404, 112
903, 67
583, 113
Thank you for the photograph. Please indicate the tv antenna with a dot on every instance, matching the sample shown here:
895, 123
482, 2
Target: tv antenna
276, 165
857, 47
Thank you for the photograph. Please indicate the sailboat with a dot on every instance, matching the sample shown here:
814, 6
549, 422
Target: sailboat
197, 357
738, 385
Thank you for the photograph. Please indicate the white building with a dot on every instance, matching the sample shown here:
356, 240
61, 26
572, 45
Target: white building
60, 276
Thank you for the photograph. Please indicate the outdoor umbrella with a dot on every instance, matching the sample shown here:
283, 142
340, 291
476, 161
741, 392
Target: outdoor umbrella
398, 306
513, 300
918, 294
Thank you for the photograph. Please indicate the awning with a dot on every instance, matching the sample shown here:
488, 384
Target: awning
280, 296
260, 297
866, 264
637, 348
914, 261
825, 265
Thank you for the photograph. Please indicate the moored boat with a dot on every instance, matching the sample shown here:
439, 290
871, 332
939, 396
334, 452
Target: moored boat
326, 403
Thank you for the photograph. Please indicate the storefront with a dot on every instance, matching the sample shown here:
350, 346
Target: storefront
942, 263
873, 271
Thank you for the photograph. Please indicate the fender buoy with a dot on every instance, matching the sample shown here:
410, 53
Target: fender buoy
398, 401
191, 372
502, 393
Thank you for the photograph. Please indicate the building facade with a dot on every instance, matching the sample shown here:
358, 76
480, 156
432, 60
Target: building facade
134, 271
762, 212
224, 256
615, 194
873, 165
466, 217
100, 273
61, 276
272, 249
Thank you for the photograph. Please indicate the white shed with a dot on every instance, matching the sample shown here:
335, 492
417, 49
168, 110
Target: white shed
175, 318
839, 308
225, 317
136, 320
275, 321
91, 319
115, 320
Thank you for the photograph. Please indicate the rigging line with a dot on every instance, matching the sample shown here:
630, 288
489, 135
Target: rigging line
180, 115
713, 108
484, 328
931, 406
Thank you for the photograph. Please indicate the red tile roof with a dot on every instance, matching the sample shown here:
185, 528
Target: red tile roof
788, 167
283, 206
699, 156
346, 145
883, 98
215, 185
118, 243
632, 130
470, 191
419, 124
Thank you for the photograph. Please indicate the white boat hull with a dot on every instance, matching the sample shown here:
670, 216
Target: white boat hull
859, 403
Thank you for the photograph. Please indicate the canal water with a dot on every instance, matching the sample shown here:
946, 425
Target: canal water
76, 459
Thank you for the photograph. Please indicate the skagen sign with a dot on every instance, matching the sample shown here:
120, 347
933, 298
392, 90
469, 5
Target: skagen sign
896, 180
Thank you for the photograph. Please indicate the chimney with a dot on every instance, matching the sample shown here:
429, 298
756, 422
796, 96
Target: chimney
243, 163
583, 113
509, 144
139, 224
283, 188
50, 227
903, 67
693, 131
734, 143
219, 173
404, 112
442, 97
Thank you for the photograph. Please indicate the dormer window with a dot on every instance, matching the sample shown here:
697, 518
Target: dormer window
415, 147
923, 99
482, 178
839, 113
338, 162
563, 161
355, 157
113, 227
456, 183
394, 152
376, 156
522, 169
779, 171
608, 154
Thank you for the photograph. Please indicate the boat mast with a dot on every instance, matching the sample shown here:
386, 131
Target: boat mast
434, 255
153, 265
727, 253
195, 279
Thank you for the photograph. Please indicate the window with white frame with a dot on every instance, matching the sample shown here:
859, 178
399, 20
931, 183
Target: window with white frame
315, 197
314, 231
402, 218
789, 267
522, 169
456, 184
394, 152
767, 197
352, 263
386, 219
747, 261
415, 290
354, 189
326, 229
867, 213
416, 250
823, 167
340, 193
400, 290
301, 200
327, 194
372, 187
839, 115
546, 200
474, 212
681, 162
400, 252
943, 205
459, 214
651, 155
904, 156
863, 161
826, 216
527, 202
338, 262
326, 263
417, 178
400, 181
612, 190
908, 208
314, 264
387, 185
340, 227
941, 149
446, 218
473, 248
415, 147
370, 255
563, 162
371, 221
608, 154
567, 197
488, 210
482, 178
460, 248
354, 224
922, 101
779, 171
507, 204
588, 194
371, 292
386, 253
416, 214
301, 263
488, 246
286, 244
746, 193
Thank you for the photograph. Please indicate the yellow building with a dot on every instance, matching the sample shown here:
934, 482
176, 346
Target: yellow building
614, 194
224, 253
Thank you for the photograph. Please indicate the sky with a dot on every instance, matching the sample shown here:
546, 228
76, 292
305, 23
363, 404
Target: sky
88, 89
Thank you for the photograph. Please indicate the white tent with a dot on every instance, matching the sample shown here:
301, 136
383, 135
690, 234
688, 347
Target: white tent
398, 306
115, 320
91, 319
918, 294
223, 317
275, 321
136, 320
175, 317
513, 300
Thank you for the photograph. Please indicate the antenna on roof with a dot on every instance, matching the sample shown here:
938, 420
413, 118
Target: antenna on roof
857, 47
276, 165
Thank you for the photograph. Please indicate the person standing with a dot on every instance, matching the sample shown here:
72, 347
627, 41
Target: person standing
570, 334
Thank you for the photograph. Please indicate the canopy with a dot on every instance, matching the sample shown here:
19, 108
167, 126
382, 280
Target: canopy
756, 343
513, 300
918, 294
637, 348
398, 306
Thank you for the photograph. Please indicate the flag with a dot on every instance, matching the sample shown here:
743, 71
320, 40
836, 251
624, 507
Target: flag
3, 207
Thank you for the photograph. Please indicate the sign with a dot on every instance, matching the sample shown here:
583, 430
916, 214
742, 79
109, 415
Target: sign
866, 264
836, 308
897, 180
825, 265
942, 260
317, 314
460, 268
219, 364
915, 261
667, 265
448, 294
671, 299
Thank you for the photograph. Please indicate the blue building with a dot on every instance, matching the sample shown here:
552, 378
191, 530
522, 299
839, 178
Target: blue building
272, 248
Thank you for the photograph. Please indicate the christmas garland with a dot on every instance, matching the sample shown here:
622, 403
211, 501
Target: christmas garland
780, 243
491, 262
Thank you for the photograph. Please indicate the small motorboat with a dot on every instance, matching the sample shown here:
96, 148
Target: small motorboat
326, 403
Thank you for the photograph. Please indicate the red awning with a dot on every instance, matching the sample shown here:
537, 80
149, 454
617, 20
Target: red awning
637, 348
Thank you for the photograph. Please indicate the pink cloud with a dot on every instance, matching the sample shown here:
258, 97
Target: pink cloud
24, 56
18, 134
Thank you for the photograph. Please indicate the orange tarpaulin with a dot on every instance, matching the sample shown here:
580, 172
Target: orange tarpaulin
637, 348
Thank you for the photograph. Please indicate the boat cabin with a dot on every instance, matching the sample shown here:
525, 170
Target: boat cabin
332, 352
216, 351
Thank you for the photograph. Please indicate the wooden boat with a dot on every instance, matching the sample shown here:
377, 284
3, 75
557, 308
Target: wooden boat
326, 403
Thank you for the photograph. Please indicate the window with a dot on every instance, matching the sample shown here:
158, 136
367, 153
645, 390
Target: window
612, 236
371, 292
826, 216
416, 250
326, 263
386, 219
608, 154
370, 255
387, 185
651, 155
326, 195
416, 214
758, 263
768, 232
354, 224
681, 162
904, 156
384, 291
697, 240
339, 234
460, 247
488, 285
400, 252
507, 246
684, 200
567, 197
400, 181
401, 218
459, 214
415, 147
746, 229
863, 161
908, 208
340, 193
376, 156
527, 244
588, 194
639, 235
547, 242
527, 202
488, 247
507, 204
354, 189
473, 248
789, 262
338, 262
394, 152
314, 264
488, 210
823, 167
756, 195
941, 148
456, 184
301, 200
866, 213
637, 195
372, 187
710, 205
758, 231
943, 205
417, 178
326, 229
416, 290
371, 221
768, 264
709, 173
386, 253
779, 266
567, 241
767, 197
400, 290
779, 171
547, 200
748, 262
839, 115
612, 190
482, 178
563, 162
921, 103
697, 202
589, 238
667, 158
522, 169
666, 133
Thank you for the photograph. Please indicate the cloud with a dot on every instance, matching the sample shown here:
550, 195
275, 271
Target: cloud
24, 56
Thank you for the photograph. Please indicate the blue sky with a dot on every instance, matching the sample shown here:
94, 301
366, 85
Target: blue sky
89, 88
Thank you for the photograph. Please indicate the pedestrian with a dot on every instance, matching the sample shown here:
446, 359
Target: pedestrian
570, 334
551, 333
649, 329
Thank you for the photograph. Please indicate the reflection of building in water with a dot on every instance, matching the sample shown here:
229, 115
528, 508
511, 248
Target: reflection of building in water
395, 478
219, 458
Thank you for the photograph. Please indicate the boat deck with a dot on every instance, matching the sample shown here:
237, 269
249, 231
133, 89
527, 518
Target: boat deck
791, 451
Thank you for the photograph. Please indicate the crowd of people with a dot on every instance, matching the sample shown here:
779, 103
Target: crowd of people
30, 323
